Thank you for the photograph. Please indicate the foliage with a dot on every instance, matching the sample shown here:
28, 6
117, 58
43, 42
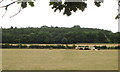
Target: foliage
59, 35
70, 7
117, 47
24, 4
13, 46
52, 47
105, 47
58, 46
100, 47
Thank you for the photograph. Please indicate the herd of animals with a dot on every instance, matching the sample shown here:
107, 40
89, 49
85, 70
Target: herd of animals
86, 48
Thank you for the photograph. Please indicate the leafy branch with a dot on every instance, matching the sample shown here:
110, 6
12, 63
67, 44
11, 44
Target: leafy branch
68, 7
23, 5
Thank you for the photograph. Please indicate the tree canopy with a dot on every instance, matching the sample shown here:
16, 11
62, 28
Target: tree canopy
58, 35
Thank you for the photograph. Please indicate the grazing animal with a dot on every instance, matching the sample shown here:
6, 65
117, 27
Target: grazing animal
92, 48
85, 48
81, 48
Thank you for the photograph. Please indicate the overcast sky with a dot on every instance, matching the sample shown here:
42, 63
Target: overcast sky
93, 17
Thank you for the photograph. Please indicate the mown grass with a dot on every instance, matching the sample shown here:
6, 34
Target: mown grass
59, 59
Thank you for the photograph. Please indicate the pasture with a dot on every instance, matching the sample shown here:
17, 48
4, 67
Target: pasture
59, 59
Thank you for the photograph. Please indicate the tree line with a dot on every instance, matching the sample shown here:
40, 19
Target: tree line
61, 46
58, 35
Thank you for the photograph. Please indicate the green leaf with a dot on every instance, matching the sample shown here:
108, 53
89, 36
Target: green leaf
117, 17
31, 4
24, 5
97, 4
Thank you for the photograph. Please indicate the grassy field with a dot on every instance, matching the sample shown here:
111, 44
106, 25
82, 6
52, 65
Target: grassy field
59, 59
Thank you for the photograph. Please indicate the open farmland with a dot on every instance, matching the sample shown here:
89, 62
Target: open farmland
59, 59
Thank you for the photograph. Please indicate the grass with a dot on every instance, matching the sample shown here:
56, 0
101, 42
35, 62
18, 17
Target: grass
59, 59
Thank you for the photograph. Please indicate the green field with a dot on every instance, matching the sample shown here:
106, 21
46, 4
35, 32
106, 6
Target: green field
59, 59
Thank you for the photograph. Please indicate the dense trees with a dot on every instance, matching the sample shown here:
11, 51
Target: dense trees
62, 35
